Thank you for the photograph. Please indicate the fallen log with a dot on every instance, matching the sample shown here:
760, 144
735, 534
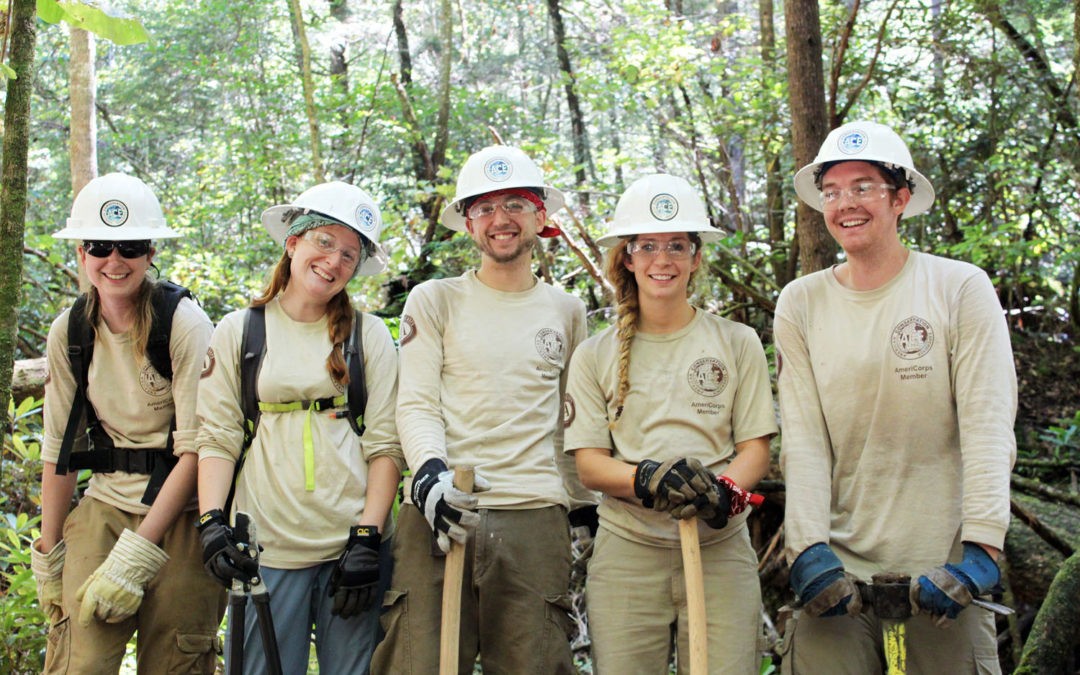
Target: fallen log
1056, 630
28, 379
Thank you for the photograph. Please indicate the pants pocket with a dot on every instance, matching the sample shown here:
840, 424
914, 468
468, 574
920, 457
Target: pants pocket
558, 633
58, 647
195, 653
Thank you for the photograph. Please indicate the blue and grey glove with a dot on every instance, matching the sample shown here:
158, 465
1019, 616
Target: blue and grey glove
820, 584
356, 576
449, 511
945, 591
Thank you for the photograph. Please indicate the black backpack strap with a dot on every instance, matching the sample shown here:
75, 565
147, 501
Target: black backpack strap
252, 351
167, 296
354, 360
80, 351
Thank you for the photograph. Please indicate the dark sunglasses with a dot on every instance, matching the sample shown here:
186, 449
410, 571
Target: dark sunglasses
127, 249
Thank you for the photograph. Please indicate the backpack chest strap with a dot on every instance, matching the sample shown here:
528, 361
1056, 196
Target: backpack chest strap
310, 406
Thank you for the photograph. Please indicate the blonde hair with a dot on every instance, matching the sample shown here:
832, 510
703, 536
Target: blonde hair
627, 311
339, 316
143, 319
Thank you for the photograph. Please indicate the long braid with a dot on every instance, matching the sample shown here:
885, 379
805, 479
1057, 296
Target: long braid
627, 308
339, 316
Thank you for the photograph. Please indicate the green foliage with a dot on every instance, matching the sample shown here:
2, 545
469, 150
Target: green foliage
22, 624
1064, 439
118, 30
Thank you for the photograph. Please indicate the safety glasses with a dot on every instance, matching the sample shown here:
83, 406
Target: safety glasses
127, 249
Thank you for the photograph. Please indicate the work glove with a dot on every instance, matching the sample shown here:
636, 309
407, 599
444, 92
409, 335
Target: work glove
48, 569
674, 486
450, 512
821, 586
945, 591
726, 501
225, 558
115, 590
353, 581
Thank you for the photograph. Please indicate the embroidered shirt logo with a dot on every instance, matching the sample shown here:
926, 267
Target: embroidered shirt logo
708, 376
912, 338
568, 411
551, 346
406, 330
152, 381
114, 213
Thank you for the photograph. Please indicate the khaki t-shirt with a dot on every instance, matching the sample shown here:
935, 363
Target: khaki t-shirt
298, 527
693, 393
133, 402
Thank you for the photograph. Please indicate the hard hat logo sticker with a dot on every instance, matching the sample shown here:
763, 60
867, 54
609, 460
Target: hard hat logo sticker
852, 142
498, 169
114, 213
366, 219
664, 207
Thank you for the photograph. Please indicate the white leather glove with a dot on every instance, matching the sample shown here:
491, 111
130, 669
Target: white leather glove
115, 590
48, 569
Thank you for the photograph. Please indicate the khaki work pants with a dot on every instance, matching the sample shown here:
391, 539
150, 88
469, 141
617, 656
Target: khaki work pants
853, 645
178, 619
514, 600
636, 597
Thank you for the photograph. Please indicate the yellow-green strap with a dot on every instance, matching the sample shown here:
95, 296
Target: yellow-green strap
309, 443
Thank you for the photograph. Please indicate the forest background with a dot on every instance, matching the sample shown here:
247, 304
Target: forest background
225, 108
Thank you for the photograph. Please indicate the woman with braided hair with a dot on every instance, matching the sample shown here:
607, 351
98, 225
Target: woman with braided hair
669, 414
318, 487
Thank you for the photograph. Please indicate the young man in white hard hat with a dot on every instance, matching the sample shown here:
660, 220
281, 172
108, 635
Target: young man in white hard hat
483, 360
897, 399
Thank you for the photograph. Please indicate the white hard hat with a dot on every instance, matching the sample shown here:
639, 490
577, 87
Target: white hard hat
116, 207
659, 203
865, 142
342, 202
497, 167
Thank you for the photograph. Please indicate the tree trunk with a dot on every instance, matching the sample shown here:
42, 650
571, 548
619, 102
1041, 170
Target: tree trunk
783, 271
582, 155
806, 91
309, 87
1056, 630
22, 31
83, 138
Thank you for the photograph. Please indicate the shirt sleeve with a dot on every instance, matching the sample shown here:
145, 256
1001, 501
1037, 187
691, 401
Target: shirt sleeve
806, 452
586, 416
984, 378
380, 437
221, 418
60, 389
188, 345
578, 493
419, 402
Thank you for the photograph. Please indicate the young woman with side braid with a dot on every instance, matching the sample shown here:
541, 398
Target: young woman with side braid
669, 414
319, 494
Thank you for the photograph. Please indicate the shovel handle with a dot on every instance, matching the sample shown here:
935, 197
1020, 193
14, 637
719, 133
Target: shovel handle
453, 573
695, 596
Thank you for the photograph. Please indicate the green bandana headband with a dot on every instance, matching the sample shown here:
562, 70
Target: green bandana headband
309, 221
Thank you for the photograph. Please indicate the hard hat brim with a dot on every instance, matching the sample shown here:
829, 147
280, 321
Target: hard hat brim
612, 238
106, 233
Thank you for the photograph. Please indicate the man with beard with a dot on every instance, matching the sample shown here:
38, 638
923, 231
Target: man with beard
483, 361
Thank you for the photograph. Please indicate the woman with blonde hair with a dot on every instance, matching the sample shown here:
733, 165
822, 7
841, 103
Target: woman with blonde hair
318, 492
124, 365
669, 414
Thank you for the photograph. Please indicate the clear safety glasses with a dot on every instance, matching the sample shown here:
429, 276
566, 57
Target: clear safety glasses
860, 193
328, 245
512, 206
676, 249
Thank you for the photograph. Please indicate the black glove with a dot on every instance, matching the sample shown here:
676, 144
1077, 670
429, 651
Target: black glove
673, 486
585, 517
224, 557
353, 582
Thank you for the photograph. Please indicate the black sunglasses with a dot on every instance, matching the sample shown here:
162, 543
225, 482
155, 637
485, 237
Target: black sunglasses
127, 249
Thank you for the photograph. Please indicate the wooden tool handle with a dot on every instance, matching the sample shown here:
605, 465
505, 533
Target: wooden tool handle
453, 573
695, 596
